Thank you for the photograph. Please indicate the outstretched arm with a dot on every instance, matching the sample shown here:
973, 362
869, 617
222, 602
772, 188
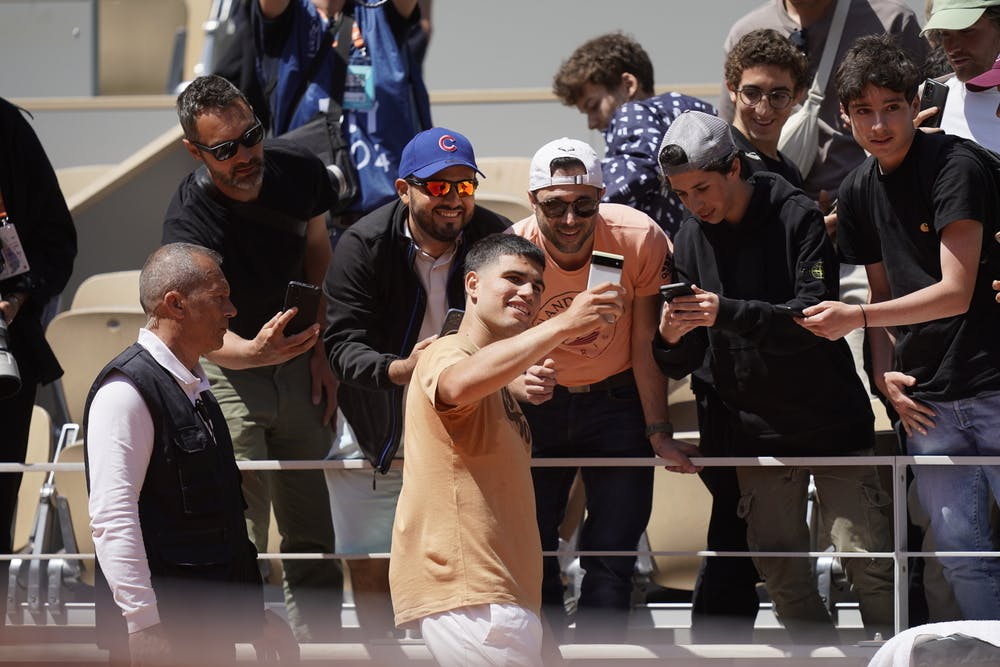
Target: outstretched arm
494, 366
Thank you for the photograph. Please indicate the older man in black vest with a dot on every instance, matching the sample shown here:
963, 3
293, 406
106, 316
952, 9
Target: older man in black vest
165, 502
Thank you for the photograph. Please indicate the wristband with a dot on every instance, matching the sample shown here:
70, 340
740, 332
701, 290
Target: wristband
864, 315
660, 427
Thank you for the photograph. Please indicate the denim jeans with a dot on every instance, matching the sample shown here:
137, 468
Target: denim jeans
957, 497
607, 423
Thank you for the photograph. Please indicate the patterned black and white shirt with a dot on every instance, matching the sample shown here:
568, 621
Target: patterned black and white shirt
631, 173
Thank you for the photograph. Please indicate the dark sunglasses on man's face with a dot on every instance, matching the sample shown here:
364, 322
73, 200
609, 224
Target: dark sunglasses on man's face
440, 188
582, 208
227, 149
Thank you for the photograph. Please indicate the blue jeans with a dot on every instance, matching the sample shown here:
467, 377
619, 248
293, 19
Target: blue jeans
957, 497
607, 423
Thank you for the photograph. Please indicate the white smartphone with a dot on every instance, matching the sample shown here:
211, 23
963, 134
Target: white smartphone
605, 267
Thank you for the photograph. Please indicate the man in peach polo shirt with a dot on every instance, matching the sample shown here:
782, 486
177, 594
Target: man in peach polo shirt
601, 395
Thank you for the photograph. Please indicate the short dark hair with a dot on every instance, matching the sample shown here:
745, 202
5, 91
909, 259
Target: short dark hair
565, 164
673, 155
602, 61
766, 47
876, 60
204, 94
170, 268
491, 248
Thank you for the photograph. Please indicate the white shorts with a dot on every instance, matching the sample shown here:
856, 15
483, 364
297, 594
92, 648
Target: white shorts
486, 634
362, 516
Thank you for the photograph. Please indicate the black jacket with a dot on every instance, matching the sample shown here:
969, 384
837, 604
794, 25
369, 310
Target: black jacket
375, 307
37, 209
785, 388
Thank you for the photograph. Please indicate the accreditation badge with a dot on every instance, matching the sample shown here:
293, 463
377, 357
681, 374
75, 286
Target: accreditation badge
13, 261
359, 88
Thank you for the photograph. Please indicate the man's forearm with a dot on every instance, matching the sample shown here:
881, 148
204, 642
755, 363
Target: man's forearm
499, 363
235, 353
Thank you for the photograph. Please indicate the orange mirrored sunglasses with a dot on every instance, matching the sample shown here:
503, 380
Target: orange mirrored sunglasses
441, 188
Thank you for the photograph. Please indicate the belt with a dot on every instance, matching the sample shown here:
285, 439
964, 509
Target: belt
615, 381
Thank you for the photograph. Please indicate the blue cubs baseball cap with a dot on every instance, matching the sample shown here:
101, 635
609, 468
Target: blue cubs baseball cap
435, 149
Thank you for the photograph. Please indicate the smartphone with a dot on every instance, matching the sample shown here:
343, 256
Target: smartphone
605, 267
785, 309
305, 297
452, 320
935, 95
668, 292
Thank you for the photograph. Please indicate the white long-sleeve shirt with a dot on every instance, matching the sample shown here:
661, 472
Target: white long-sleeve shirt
119, 445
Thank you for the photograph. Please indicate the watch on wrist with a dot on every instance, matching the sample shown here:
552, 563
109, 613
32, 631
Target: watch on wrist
660, 427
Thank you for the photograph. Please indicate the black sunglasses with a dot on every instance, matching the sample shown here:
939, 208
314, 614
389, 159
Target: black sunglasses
582, 208
227, 149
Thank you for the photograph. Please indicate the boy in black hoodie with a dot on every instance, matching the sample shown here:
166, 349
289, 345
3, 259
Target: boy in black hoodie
752, 250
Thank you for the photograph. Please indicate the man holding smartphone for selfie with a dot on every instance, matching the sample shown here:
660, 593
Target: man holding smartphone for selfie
261, 205
394, 275
598, 394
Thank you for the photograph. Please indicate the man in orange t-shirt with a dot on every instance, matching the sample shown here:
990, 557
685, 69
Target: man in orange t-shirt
602, 395
466, 560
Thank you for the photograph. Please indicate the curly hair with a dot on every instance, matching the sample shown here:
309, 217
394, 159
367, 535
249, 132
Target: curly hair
766, 47
602, 61
876, 60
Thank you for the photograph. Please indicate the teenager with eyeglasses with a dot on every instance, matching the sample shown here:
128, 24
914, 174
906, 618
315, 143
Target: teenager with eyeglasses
765, 76
600, 394
395, 274
261, 205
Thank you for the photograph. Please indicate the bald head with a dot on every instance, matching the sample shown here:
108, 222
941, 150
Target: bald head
174, 267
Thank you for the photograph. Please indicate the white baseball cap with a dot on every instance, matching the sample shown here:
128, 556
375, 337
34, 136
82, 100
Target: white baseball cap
540, 175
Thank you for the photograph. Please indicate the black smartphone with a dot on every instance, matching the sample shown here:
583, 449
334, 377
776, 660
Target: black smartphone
452, 320
935, 95
305, 297
785, 309
668, 292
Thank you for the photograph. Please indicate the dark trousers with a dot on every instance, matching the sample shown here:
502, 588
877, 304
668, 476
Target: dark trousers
725, 603
15, 418
606, 423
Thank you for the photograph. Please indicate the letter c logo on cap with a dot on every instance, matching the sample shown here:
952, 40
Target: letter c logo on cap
447, 143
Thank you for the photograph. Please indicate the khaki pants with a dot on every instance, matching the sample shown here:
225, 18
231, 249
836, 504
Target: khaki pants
270, 415
853, 510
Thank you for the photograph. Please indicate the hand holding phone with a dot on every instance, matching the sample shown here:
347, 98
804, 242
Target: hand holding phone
305, 297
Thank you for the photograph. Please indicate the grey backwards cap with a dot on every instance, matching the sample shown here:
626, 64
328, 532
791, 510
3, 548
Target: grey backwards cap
703, 137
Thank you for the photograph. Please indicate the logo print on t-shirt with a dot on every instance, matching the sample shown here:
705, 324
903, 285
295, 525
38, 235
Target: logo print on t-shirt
589, 345
516, 417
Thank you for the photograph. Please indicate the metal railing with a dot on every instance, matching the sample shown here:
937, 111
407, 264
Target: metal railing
899, 464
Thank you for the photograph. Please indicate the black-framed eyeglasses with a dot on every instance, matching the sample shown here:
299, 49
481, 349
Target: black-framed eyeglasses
800, 40
438, 187
752, 95
582, 208
227, 149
